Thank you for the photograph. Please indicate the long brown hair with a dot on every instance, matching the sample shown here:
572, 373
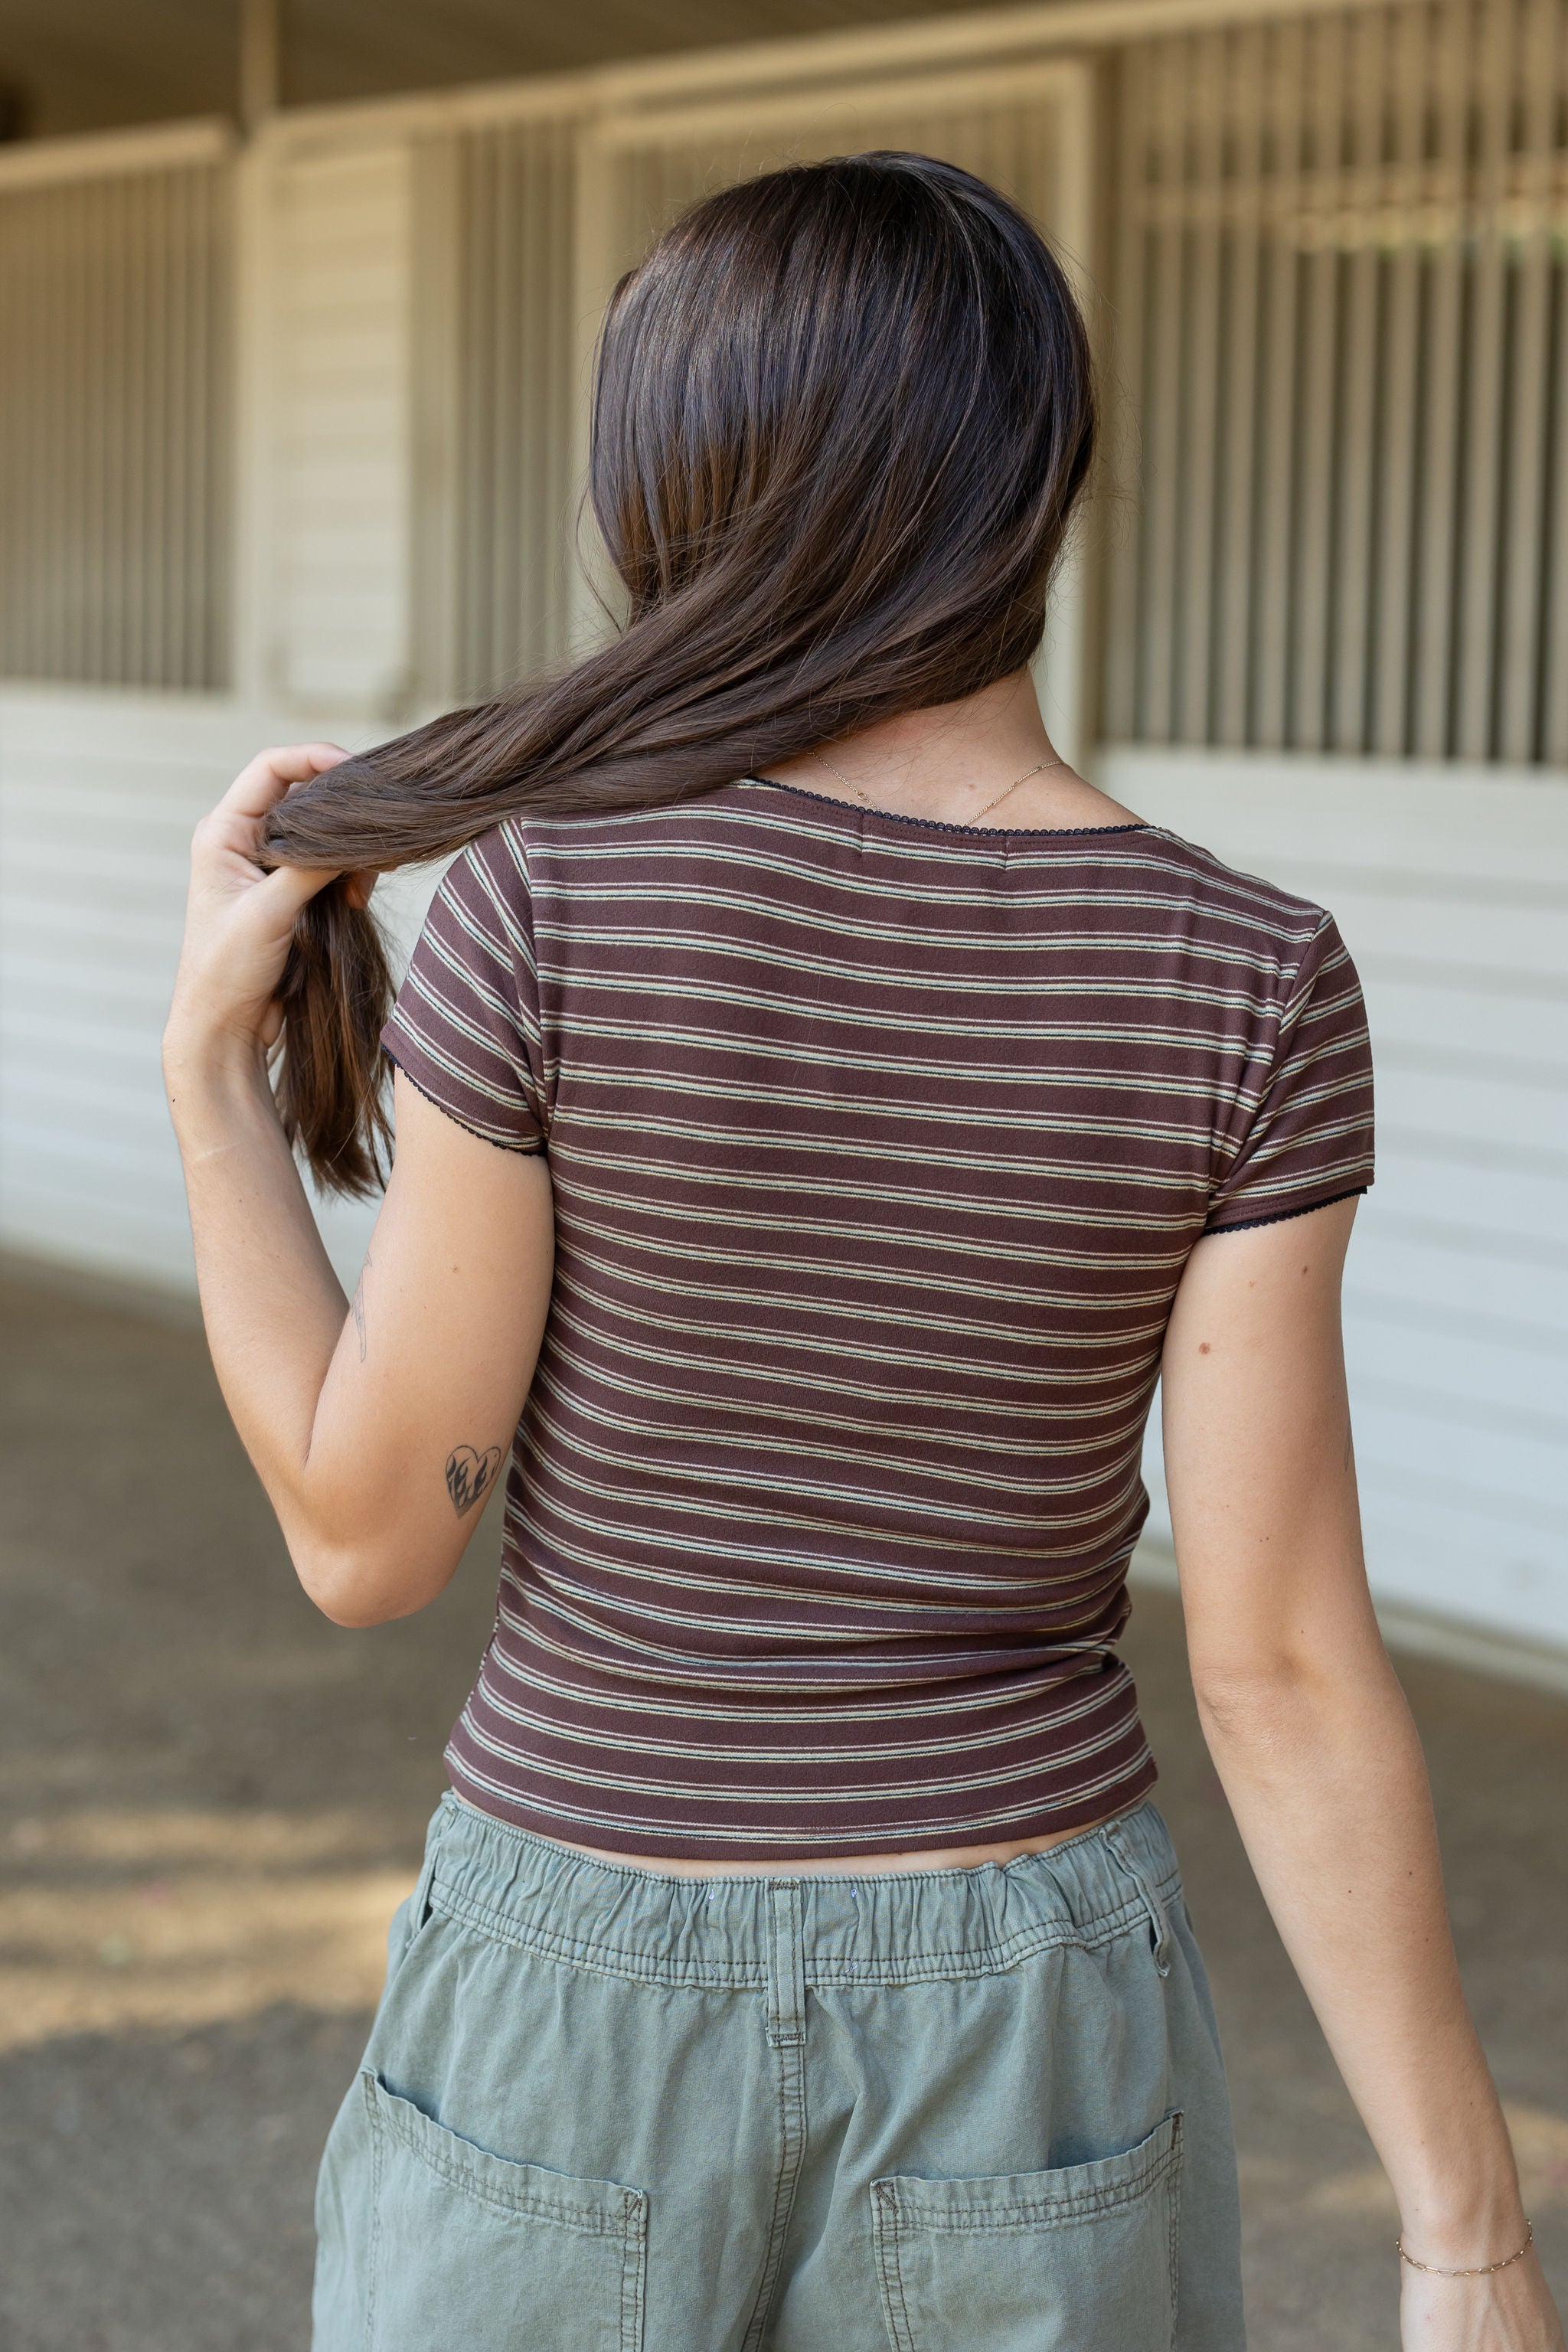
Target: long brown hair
840, 416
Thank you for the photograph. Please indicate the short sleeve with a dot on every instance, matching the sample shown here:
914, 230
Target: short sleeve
1309, 1137
465, 1027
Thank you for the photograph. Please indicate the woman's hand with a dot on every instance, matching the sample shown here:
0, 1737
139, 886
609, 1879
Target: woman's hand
239, 918
1510, 2311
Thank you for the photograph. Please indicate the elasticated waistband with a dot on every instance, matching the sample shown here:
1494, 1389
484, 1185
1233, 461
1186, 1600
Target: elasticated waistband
884, 1928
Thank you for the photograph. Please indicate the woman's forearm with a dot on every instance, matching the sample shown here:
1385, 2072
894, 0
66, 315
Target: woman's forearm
273, 1308
1325, 1774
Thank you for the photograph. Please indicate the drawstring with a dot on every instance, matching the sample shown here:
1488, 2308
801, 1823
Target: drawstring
1151, 1903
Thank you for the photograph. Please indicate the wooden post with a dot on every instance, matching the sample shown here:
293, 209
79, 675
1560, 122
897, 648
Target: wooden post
261, 61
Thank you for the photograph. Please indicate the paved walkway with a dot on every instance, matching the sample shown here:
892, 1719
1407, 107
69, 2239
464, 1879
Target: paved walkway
211, 1799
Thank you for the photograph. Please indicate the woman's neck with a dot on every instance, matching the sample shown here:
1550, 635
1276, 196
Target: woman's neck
985, 761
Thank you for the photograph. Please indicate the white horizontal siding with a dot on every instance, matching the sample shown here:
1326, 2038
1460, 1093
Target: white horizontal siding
1451, 889
99, 793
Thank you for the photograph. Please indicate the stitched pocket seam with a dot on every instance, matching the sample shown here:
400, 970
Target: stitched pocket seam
1048, 2211
885, 2231
629, 2227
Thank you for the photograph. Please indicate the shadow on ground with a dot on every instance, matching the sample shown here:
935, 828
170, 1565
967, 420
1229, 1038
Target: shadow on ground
211, 1799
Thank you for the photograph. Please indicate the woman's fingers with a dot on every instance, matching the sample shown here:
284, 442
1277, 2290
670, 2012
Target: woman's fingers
288, 889
232, 829
263, 781
296, 884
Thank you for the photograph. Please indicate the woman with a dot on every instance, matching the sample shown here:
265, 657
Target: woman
799, 1959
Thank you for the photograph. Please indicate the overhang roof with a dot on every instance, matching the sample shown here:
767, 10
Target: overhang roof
91, 65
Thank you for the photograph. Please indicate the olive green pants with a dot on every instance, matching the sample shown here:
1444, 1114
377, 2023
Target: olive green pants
603, 2110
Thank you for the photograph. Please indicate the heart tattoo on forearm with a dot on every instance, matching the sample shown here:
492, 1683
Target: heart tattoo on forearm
470, 1474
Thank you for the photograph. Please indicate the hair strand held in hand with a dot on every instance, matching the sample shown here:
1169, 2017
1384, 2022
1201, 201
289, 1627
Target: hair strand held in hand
841, 415
337, 988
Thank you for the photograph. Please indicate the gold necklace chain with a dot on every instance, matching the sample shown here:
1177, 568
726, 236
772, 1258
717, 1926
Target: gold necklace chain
870, 804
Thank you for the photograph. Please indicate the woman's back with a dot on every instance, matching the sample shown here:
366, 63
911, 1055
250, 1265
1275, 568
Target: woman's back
878, 1146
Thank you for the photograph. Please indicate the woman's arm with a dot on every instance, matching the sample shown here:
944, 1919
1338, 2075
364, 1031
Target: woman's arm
1313, 1742
378, 1429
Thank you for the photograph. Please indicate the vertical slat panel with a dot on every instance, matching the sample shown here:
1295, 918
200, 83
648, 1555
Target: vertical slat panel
187, 421
507, 397
1482, 453
141, 447
482, 305
1354, 431
1393, 557
1554, 633
153, 618
1442, 366
208, 490
1276, 504
1191, 713
560, 401
542, 368
1524, 441
81, 616
1350, 617
1161, 438
113, 514
178, 380
1233, 582
1128, 398
1315, 506
108, 493
17, 491
184, 632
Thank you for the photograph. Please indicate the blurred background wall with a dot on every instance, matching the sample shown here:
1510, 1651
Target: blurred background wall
296, 310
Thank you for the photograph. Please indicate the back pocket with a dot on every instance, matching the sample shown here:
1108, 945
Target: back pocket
1079, 2260
470, 2252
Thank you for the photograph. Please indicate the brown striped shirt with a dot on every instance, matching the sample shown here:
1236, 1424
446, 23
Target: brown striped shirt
878, 1146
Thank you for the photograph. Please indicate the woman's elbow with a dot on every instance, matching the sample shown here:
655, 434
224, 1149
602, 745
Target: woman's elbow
1251, 1702
1291, 1693
359, 1586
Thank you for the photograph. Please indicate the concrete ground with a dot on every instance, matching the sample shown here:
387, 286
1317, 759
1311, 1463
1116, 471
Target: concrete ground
211, 1799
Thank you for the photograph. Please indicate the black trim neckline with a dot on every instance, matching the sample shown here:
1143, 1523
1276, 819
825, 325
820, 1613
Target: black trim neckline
940, 824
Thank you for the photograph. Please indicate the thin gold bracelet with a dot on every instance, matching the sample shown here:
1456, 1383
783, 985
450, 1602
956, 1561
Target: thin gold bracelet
1482, 2270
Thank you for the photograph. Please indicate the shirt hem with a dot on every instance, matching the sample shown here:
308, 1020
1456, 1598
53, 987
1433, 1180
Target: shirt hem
531, 1147
1282, 1216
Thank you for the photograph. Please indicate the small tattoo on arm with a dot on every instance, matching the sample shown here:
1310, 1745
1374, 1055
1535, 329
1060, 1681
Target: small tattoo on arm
470, 1474
357, 1308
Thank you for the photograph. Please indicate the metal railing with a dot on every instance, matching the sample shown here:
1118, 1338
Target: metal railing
116, 269
1341, 290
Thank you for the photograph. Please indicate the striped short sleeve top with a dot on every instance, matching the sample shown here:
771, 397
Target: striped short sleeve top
878, 1146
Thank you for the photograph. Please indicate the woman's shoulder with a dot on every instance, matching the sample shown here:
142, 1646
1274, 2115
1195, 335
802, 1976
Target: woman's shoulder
1232, 894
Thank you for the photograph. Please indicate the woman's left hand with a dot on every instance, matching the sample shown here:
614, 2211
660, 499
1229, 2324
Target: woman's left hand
239, 917
1510, 2311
